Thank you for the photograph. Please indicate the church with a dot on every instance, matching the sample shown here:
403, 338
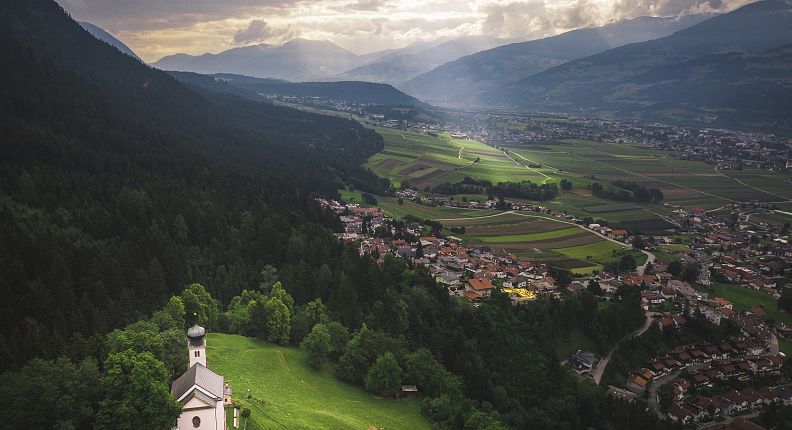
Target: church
202, 393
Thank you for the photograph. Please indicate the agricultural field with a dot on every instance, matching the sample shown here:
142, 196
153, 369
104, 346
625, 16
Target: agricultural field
282, 392
391, 206
426, 160
688, 183
542, 239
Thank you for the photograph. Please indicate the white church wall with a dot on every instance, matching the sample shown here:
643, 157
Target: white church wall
208, 420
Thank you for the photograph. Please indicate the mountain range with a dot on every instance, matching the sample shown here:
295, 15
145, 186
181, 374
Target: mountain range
253, 88
406, 63
733, 66
466, 80
295, 60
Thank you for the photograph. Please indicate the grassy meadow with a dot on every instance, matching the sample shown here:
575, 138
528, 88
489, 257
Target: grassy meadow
745, 298
282, 392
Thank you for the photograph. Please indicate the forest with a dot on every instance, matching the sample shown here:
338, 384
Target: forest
518, 190
119, 185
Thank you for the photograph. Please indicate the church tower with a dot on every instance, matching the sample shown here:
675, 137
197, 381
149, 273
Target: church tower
196, 345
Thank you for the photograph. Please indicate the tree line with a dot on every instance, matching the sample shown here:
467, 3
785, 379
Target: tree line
518, 190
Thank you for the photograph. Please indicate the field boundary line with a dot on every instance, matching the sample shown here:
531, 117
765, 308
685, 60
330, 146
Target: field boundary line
654, 179
752, 187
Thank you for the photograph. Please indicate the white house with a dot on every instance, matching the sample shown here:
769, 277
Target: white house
201, 392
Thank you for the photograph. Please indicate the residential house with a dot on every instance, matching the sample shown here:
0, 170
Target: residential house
480, 287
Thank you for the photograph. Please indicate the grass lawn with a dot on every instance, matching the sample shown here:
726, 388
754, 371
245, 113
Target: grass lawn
391, 206
598, 251
286, 394
785, 346
574, 341
746, 298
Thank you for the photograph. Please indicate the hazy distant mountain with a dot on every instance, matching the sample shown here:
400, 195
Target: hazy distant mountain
108, 38
405, 64
677, 70
296, 60
463, 81
250, 87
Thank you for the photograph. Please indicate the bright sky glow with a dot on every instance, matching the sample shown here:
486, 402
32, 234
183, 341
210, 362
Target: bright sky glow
155, 28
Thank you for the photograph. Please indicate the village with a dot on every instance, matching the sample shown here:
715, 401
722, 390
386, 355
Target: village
723, 246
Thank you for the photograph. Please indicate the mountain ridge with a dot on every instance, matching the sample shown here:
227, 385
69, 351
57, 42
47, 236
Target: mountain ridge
405, 64
465, 80
626, 80
105, 36
295, 60
253, 88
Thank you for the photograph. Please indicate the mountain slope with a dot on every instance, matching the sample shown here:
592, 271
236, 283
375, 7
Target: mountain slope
108, 38
466, 80
617, 80
733, 89
350, 91
119, 183
402, 66
296, 60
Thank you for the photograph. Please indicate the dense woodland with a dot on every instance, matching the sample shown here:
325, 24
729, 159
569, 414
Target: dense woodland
627, 192
119, 185
518, 190
132, 207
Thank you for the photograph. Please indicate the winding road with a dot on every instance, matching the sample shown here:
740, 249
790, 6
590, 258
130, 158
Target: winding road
598, 371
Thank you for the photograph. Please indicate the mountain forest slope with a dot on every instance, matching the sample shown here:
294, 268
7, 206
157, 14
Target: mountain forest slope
350, 91
116, 179
106, 37
469, 78
693, 74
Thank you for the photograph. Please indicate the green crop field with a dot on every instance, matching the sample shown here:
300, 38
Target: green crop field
689, 183
282, 392
426, 160
595, 251
541, 238
391, 206
530, 237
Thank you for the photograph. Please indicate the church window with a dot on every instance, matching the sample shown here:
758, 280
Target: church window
197, 353
196, 422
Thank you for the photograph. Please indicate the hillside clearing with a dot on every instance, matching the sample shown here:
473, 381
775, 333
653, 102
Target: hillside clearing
286, 394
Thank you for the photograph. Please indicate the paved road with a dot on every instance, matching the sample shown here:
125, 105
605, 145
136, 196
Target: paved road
597, 373
650, 258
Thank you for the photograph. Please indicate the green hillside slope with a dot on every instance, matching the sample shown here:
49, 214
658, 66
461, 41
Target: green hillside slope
287, 394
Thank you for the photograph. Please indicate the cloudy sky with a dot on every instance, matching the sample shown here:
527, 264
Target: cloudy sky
155, 28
